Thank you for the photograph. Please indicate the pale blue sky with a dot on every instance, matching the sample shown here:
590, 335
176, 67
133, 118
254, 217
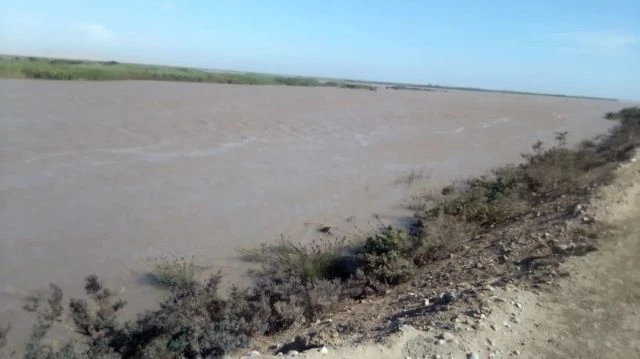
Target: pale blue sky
577, 47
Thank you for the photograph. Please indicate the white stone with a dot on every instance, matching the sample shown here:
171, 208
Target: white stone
448, 336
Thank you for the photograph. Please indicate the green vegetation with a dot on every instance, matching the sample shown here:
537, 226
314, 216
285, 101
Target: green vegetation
62, 69
350, 85
298, 284
19, 67
409, 87
435, 87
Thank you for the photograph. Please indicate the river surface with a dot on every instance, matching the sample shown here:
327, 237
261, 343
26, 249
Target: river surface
102, 177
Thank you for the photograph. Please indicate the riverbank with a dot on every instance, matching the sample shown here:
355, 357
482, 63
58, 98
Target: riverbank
23, 67
513, 227
591, 311
18, 67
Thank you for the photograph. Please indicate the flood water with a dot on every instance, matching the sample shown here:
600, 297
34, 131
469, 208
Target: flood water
101, 177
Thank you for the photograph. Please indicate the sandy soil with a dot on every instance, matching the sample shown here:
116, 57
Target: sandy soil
592, 313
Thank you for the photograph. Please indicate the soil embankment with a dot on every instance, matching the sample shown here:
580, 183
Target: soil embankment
592, 313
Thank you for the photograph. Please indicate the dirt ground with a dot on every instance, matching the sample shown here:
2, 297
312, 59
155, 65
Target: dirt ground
593, 311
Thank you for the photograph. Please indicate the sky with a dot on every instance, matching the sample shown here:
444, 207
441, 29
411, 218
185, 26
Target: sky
588, 47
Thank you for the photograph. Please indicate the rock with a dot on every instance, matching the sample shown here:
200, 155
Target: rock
446, 297
436, 356
473, 355
516, 352
254, 353
519, 305
490, 342
426, 302
405, 328
492, 326
448, 337
578, 209
633, 160
441, 342
574, 249
324, 350
324, 229
292, 353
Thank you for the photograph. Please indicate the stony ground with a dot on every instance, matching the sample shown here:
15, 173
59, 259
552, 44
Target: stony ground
587, 306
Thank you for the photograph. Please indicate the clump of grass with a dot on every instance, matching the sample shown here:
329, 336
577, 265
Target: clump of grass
174, 273
319, 260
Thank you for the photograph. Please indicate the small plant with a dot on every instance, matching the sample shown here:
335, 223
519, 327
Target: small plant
319, 260
174, 273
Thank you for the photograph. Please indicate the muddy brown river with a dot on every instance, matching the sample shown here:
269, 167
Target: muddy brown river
101, 177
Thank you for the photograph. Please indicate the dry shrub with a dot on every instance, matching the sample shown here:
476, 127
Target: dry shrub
439, 234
